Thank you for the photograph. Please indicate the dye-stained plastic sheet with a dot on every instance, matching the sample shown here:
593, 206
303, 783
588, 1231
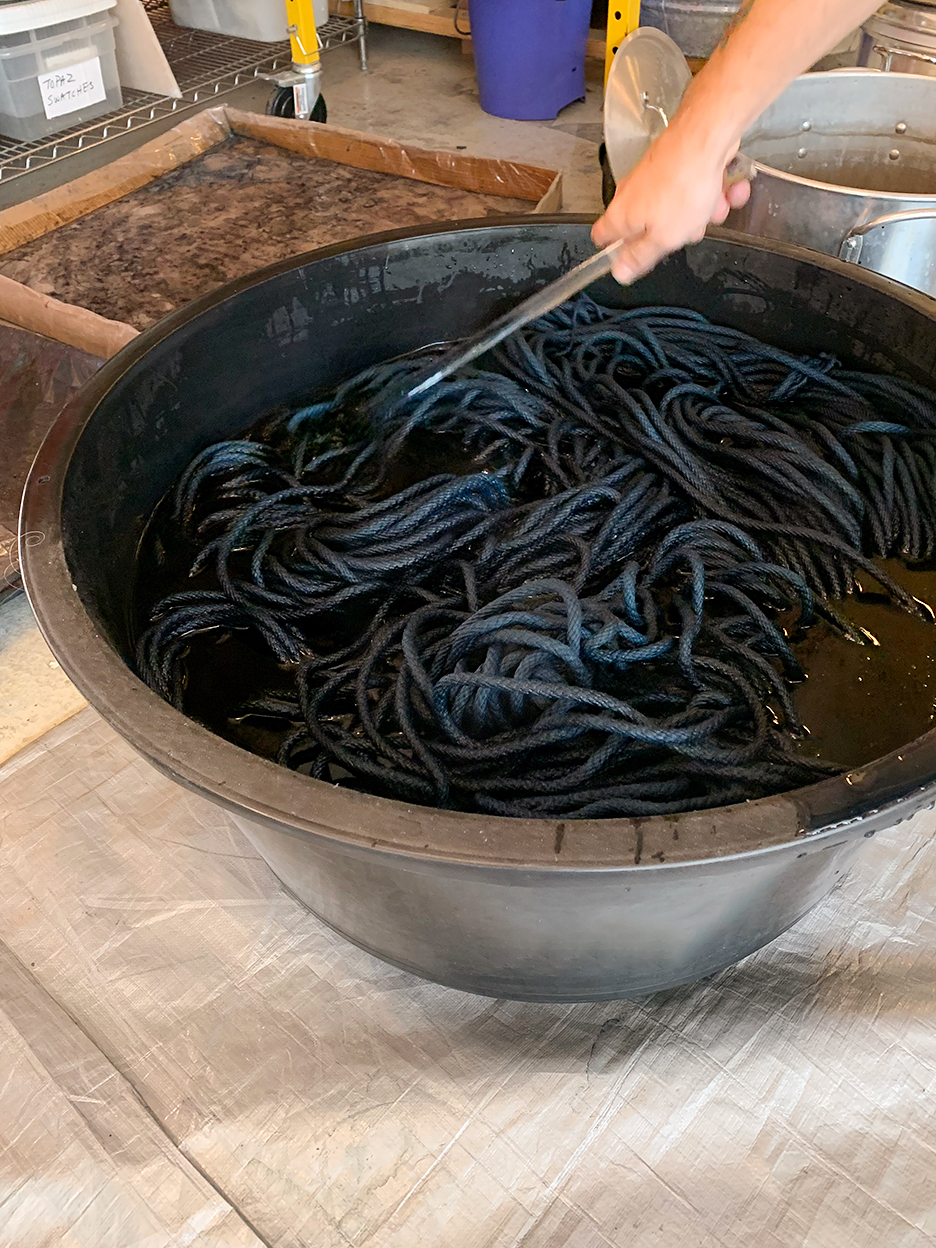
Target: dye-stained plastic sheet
189, 1057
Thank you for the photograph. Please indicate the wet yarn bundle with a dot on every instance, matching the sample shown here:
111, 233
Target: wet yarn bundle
567, 583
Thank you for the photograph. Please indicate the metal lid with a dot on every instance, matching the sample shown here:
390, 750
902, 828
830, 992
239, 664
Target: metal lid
645, 85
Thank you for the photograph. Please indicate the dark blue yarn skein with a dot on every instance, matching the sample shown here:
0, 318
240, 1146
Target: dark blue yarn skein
565, 584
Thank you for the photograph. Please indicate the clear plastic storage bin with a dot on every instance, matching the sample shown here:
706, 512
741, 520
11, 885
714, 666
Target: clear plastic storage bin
57, 65
261, 20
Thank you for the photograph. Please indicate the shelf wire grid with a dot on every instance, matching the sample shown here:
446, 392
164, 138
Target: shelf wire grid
206, 66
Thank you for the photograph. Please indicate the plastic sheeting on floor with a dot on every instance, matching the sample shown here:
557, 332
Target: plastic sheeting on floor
189, 1057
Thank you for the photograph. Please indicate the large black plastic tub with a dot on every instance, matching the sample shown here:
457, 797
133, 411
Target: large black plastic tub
521, 908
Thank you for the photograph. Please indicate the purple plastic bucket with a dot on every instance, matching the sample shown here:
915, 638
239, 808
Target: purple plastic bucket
529, 55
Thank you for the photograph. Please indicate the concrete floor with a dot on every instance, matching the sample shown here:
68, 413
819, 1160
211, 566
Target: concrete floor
419, 89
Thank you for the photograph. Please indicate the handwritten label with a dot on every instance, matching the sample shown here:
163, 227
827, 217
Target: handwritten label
76, 86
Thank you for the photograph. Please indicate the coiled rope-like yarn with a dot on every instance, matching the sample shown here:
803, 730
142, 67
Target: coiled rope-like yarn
561, 585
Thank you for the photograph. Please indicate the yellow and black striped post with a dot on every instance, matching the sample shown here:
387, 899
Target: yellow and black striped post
302, 33
623, 17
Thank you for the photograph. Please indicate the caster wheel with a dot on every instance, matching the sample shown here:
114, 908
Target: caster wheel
282, 104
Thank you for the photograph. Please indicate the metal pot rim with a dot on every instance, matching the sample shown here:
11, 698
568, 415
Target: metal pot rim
912, 198
840, 806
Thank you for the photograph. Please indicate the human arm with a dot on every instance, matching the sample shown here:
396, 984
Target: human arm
677, 189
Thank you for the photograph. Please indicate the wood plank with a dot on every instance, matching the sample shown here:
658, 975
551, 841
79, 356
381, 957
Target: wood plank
413, 6
595, 47
552, 200
440, 21
509, 178
41, 314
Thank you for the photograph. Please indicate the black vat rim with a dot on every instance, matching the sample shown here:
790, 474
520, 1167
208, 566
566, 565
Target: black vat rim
818, 817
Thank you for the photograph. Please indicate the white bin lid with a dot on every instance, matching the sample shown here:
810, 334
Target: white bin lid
36, 14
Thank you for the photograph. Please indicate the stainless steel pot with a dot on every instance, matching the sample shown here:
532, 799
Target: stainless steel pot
846, 166
538, 909
900, 38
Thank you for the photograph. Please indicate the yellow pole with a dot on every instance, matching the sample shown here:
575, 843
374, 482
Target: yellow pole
623, 17
303, 36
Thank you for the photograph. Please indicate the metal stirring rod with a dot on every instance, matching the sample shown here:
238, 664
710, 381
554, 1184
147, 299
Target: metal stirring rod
538, 304
544, 300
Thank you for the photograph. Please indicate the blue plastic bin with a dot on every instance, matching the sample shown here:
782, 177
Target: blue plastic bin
529, 55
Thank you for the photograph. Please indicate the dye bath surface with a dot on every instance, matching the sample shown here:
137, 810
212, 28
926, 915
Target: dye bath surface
857, 703
665, 496
861, 702
241, 206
